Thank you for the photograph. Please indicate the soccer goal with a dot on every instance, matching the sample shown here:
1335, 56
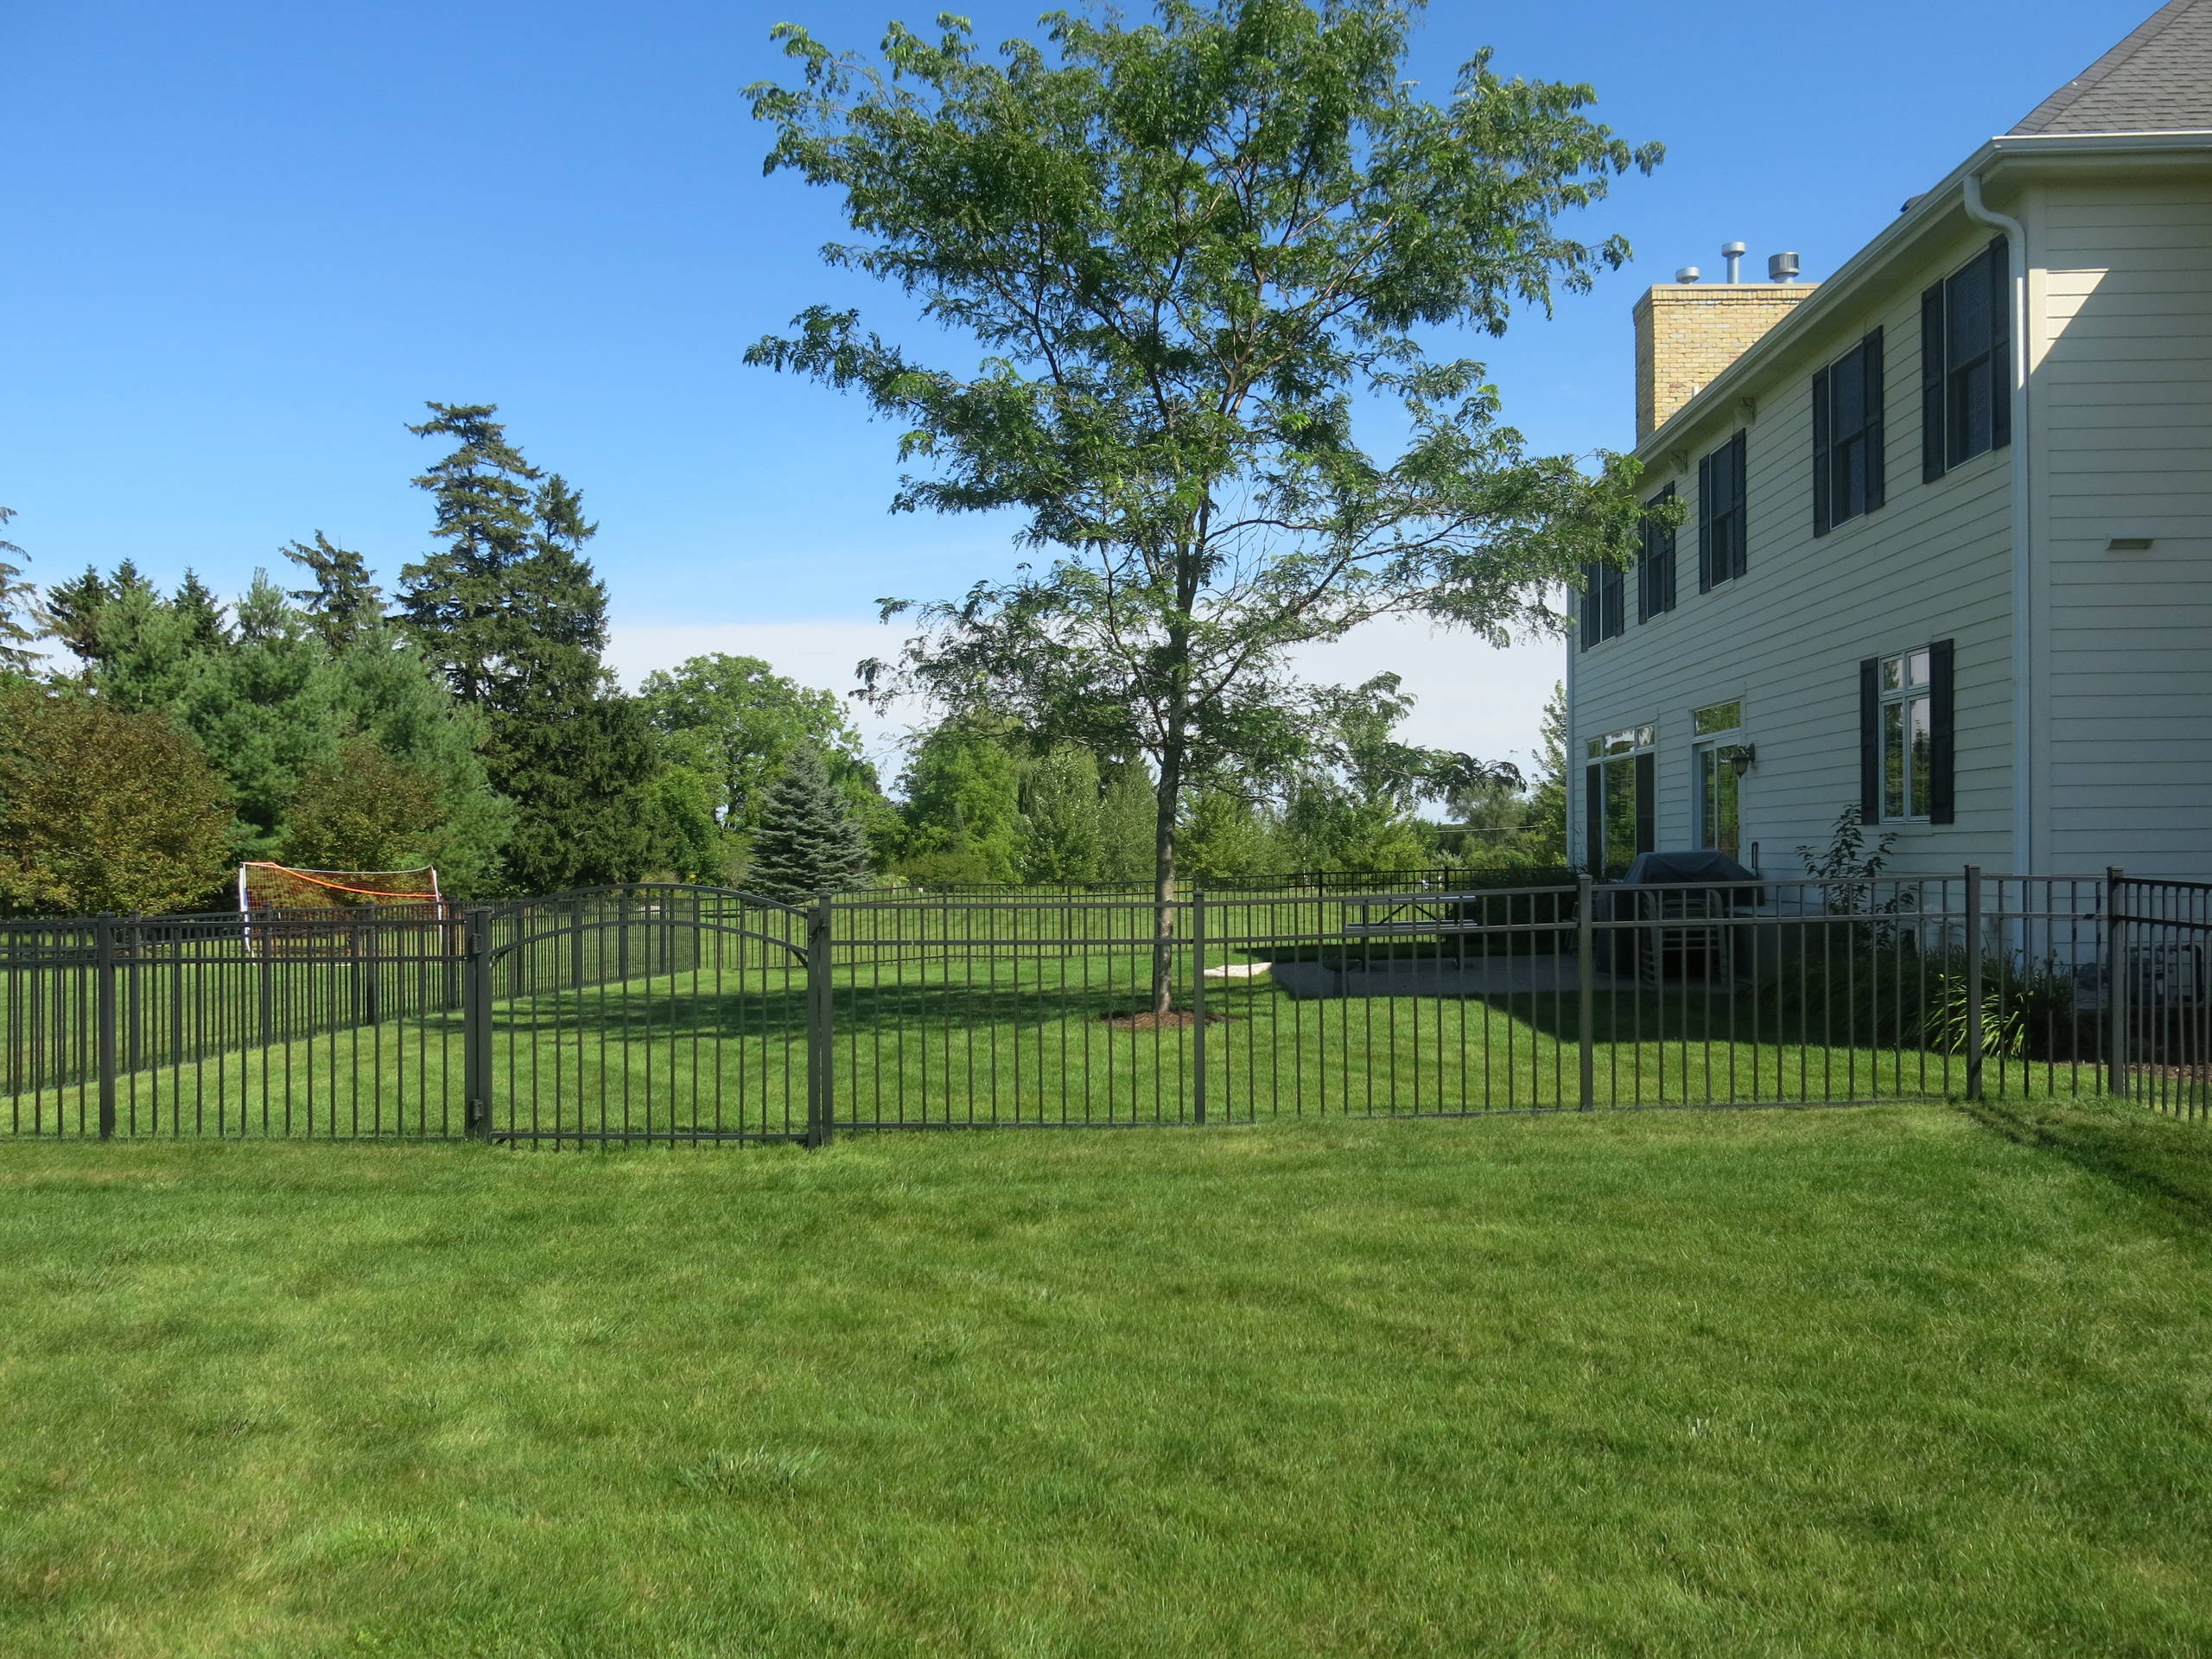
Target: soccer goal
266, 887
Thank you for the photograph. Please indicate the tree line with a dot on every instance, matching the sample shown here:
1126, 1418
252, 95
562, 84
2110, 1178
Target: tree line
468, 721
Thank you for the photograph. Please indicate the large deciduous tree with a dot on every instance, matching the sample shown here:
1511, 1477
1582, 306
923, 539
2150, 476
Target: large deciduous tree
103, 809
1191, 251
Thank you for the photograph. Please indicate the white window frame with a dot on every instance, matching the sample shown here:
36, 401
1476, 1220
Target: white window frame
1720, 744
1905, 681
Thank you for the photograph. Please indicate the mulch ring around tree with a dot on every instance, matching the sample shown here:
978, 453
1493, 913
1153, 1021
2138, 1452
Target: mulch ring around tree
1181, 1020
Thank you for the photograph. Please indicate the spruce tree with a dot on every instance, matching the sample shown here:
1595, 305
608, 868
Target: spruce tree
17, 627
510, 609
344, 600
807, 841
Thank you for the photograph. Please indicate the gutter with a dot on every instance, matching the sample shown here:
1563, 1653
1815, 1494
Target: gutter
1856, 272
2016, 244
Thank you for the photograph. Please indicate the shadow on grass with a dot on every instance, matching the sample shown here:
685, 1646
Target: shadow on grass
2164, 1160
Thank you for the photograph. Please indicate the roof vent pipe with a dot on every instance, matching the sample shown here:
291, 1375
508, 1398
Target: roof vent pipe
1782, 267
1733, 253
1687, 274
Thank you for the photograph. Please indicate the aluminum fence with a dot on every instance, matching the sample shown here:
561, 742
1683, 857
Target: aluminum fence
687, 1014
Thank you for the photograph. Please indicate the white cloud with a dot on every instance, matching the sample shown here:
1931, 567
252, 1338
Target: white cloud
1485, 702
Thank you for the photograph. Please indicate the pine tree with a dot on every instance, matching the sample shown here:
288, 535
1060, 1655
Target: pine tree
807, 841
18, 610
201, 615
344, 600
509, 610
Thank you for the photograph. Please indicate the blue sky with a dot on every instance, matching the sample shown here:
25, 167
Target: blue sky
245, 240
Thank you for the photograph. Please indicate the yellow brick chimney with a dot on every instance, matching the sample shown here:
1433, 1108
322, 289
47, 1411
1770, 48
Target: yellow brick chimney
1687, 332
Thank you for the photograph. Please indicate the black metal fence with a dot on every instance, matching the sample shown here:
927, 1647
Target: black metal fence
667, 1013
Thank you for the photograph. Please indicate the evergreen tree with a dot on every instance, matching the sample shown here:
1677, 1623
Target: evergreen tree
344, 602
1126, 807
17, 609
807, 841
1546, 821
74, 608
1223, 835
509, 610
200, 613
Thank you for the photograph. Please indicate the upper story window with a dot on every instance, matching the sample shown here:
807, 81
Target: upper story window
1720, 530
1965, 353
1655, 558
1603, 603
1847, 436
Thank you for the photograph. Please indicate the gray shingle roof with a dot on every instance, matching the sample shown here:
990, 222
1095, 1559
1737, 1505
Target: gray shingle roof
2159, 80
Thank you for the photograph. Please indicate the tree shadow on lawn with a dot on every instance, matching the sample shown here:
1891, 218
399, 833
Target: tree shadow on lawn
2166, 1160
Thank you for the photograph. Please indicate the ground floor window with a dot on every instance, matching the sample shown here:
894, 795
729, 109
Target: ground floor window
1905, 736
1719, 731
1620, 801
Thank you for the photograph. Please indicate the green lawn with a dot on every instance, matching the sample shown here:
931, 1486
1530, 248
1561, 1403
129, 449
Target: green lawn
1012, 1039
1895, 1380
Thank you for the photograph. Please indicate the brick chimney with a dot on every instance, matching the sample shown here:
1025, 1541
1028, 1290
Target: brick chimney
1687, 332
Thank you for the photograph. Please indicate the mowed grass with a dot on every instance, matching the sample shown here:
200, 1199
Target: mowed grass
1012, 1041
1895, 1380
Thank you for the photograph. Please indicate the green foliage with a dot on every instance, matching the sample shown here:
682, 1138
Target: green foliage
19, 626
104, 809
509, 610
345, 603
962, 815
1126, 823
1062, 831
1223, 835
1188, 248
807, 841
361, 810
731, 724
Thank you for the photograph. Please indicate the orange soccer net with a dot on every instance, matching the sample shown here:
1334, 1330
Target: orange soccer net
266, 887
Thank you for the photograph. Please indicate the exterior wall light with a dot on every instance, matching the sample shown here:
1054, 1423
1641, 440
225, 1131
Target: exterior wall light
1742, 760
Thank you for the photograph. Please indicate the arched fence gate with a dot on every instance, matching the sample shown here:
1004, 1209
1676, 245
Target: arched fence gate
647, 1013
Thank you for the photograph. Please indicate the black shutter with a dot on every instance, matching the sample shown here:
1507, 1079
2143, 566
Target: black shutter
1593, 819
1705, 525
1870, 740
1740, 543
1941, 723
1647, 803
1871, 356
1646, 594
1615, 620
1666, 499
1931, 384
1823, 513
1588, 610
2001, 345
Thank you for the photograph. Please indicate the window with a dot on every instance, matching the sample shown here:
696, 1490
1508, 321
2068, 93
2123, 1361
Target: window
1720, 540
1719, 729
1847, 436
1604, 601
1966, 364
1905, 736
1620, 800
1655, 559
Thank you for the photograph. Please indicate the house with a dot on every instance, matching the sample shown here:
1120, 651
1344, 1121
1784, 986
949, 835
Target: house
1943, 538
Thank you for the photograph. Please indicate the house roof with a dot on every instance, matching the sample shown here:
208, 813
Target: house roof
2157, 79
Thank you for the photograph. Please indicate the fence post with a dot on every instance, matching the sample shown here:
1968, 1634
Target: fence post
476, 1022
1586, 970
1198, 1004
1975, 1037
821, 1123
104, 965
2118, 1014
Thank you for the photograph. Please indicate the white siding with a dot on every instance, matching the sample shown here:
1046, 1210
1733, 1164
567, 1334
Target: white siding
1934, 563
2122, 394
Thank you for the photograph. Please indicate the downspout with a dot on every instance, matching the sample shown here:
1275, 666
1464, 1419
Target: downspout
1567, 761
2016, 244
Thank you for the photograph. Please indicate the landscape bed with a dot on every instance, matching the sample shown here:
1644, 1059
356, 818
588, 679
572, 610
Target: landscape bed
1905, 1379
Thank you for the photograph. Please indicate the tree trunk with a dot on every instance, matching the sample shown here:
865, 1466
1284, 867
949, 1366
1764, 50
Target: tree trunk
1167, 798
